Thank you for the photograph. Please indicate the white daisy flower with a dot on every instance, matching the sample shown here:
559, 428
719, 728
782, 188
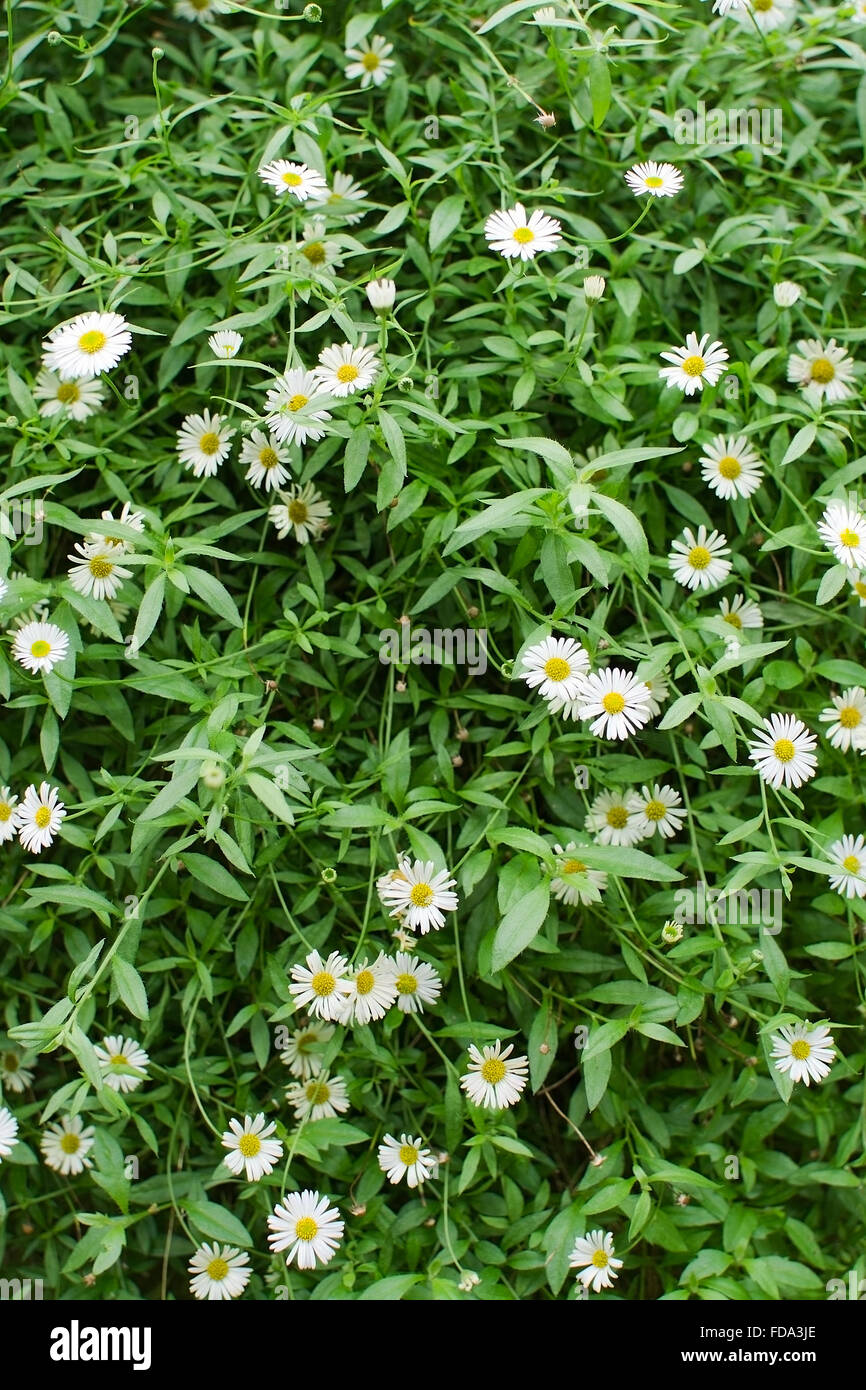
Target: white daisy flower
695, 364
847, 719
611, 820
805, 1053
123, 1063
699, 562
659, 809
828, 371
672, 932
95, 571
344, 369
304, 512
8, 1133
266, 460
225, 343
322, 1097
302, 1053
556, 667
299, 180
843, 531
858, 585
659, 180
77, 399
370, 63
128, 517
321, 986
372, 992
731, 467
741, 613
513, 234
415, 982
783, 751
493, 1078
38, 817
593, 1256
14, 1074
786, 293
406, 1158
219, 1272
308, 1226
848, 857
250, 1149
338, 202
616, 701
573, 882
65, 1146
381, 295
291, 396
658, 690
203, 443
420, 895
200, 11
87, 346
767, 14
40, 646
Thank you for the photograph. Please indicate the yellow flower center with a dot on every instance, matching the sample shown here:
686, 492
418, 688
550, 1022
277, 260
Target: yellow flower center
40, 648
249, 1145
306, 1228
523, 235
347, 372
556, 669
365, 981
269, 458
317, 1093
297, 403
654, 181
729, 467
421, 895
315, 253
800, 1049
293, 180
67, 392
10, 1062
655, 810
693, 366
217, 1269
784, 749
370, 61
617, 817
118, 1060
699, 557
406, 984
298, 512
734, 619
851, 864
849, 538
493, 1070
849, 717
821, 370
42, 817
860, 589
600, 1259
100, 568
209, 443
573, 866
614, 702
5, 811
92, 342
70, 1143
408, 1154
306, 1042
323, 984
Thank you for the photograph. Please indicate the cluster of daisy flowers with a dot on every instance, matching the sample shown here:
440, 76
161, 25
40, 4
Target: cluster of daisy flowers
617, 703
35, 819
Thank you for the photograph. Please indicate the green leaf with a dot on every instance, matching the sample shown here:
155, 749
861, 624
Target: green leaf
215, 876
130, 987
520, 925
217, 1223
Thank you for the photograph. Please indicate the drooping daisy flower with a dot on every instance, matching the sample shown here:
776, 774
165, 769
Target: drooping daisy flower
299, 180
308, 1226
767, 14
250, 1149
699, 562
40, 646
659, 809
493, 1078
304, 512
593, 288
38, 817
847, 719
405, 1158
203, 443
265, 461
320, 1098
123, 1063
513, 234
65, 1146
95, 571
593, 1256
805, 1053
828, 371
420, 895
344, 369
858, 585
556, 667
616, 701
225, 343
290, 407
321, 986
381, 295
659, 180
783, 751
14, 1075
695, 364
338, 202
416, 983
574, 883
372, 992
848, 856
611, 820
200, 11
8, 1133
843, 531
302, 1053
87, 346
786, 293
741, 613
219, 1272
370, 63
77, 399
731, 467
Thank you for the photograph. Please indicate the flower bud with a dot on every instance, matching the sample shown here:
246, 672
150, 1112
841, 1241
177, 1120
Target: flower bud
593, 288
381, 294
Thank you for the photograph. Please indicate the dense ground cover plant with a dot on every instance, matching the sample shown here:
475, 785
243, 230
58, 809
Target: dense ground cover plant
433, 570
